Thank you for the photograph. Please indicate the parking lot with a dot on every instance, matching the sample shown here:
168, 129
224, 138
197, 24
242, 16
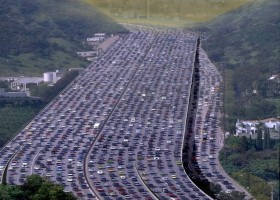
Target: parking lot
116, 132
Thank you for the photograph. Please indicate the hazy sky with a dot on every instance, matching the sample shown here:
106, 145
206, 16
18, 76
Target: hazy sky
165, 10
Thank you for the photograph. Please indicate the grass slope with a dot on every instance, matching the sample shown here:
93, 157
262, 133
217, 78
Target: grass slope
244, 43
12, 118
44, 34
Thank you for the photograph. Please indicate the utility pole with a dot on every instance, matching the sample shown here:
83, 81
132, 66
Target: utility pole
224, 95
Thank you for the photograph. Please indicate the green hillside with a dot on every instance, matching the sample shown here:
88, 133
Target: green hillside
44, 34
244, 44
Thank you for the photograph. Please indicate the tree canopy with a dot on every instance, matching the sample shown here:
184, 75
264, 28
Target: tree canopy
35, 188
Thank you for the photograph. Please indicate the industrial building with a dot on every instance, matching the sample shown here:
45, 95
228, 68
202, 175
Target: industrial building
13, 94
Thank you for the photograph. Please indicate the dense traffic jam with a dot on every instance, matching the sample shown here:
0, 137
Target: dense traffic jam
116, 132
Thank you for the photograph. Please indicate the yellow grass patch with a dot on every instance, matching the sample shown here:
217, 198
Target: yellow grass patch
165, 12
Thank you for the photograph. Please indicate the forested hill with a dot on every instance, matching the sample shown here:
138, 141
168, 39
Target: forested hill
245, 43
37, 35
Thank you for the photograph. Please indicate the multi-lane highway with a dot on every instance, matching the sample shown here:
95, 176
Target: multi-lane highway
208, 135
117, 131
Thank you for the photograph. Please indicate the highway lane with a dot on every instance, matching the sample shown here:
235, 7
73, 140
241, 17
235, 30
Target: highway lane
203, 162
89, 153
154, 89
208, 135
60, 124
116, 132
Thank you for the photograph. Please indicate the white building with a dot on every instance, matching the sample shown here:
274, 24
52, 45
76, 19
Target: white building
50, 77
272, 123
95, 39
100, 34
86, 54
250, 126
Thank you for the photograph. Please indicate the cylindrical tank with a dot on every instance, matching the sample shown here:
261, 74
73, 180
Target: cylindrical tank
50, 77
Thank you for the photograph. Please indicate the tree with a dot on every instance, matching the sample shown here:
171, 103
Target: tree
33, 184
234, 195
252, 143
264, 139
244, 143
50, 191
8, 192
259, 144
268, 141
216, 188
35, 188
41, 189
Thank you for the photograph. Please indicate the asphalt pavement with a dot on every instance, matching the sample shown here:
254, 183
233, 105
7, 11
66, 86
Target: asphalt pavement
116, 132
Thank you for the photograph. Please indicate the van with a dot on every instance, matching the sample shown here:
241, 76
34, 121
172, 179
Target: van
96, 125
24, 165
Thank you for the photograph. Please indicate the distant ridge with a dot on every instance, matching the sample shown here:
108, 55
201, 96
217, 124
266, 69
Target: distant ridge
43, 34
165, 12
244, 44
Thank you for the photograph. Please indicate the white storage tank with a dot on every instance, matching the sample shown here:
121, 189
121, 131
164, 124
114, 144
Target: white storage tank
50, 77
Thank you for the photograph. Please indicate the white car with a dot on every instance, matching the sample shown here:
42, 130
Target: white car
228, 191
173, 176
36, 167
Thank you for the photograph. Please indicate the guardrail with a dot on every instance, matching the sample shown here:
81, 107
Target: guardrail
143, 182
4, 175
188, 141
